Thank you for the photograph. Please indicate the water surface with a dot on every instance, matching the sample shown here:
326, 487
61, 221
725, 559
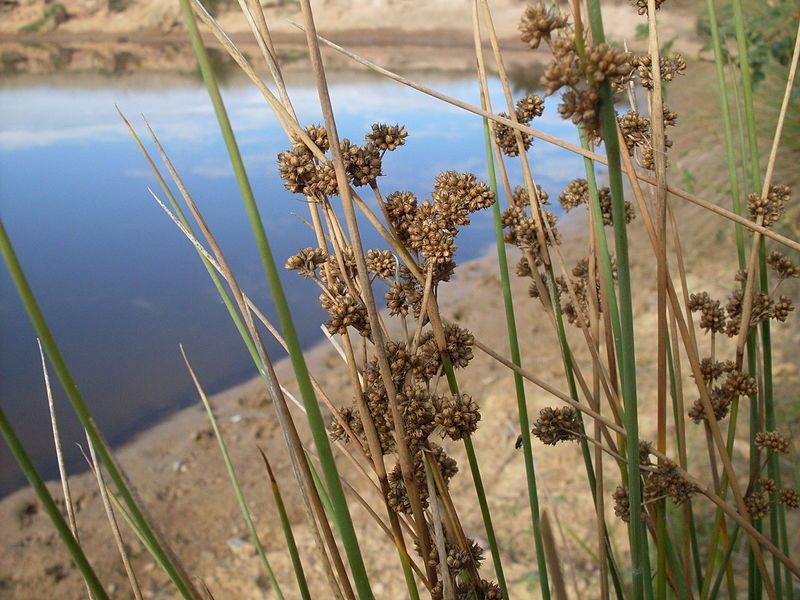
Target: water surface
120, 286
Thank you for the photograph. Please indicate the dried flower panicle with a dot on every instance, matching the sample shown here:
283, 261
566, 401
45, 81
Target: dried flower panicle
782, 265
307, 262
528, 108
769, 208
641, 5
458, 416
665, 481
381, 263
641, 66
622, 503
772, 441
712, 315
720, 401
757, 504
577, 193
637, 134
790, 498
387, 137
538, 23
556, 425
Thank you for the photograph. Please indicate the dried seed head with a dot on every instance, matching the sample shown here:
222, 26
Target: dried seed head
318, 135
712, 316
322, 182
307, 261
757, 504
350, 416
459, 345
713, 370
768, 485
739, 384
782, 265
720, 403
401, 208
772, 441
622, 503
645, 450
506, 137
396, 300
538, 23
575, 194
670, 66
665, 481
363, 163
419, 415
387, 137
641, 5
490, 590
473, 195
381, 263
790, 498
782, 308
582, 108
771, 207
530, 107
556, 425
606, 63
607, 208
296, 168
458, 416
432, 234
345, 311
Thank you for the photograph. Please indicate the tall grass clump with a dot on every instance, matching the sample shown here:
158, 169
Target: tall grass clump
693, 506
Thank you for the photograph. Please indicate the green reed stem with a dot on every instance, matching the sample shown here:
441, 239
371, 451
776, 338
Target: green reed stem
513, 343
50, 507
642, 584
288, 534
480, 491
82, 411
777, 515
237, 488
690, 528
727, 129
341, 513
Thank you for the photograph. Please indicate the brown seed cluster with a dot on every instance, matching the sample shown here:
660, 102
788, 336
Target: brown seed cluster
782, 265
577, 193
307, 262
556, 425
303, 173
756, 503
790, 498
622, 503
735, 384
665, 481
381, 263
538, 23
772, 441
641, 67
582, 77
430, 228
641, 6
637, 134
398, 494
770, 207
387, 137
527, 109
457, 416
521, 228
